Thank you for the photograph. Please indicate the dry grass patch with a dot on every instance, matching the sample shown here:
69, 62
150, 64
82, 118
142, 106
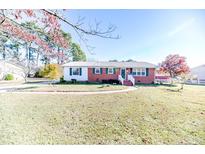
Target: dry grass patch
149, 115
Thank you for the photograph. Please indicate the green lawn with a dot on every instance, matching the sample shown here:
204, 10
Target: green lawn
72, 88
149, 115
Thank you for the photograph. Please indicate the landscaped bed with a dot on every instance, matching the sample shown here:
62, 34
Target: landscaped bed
149, 115
72, 88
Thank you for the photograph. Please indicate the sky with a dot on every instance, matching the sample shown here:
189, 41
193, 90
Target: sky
145, 35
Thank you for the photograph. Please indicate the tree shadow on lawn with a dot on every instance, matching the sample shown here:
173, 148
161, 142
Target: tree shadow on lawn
101, 85
77, 83
104, 85
174, 90
201, 85
167, 87
155, 85
181, 90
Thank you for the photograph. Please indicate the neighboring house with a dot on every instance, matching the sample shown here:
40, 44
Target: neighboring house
128, 73
198, 75
161, 78
9, 68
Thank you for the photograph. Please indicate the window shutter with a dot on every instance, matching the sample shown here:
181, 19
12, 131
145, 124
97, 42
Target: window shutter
70, 71
131, 70
93, 70
147, 71
114, 70
100, 70
80, 71
106, 70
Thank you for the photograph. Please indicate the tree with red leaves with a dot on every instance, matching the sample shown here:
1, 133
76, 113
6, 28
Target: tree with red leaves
176, 66
49, 37
11, 24
50, 21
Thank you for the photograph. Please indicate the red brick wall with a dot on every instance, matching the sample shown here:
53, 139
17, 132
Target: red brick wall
99, 77
146, 79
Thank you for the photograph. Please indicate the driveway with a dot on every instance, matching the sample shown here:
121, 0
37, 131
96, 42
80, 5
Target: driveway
32, 82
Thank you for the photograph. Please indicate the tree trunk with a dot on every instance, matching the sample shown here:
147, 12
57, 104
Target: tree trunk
182, 86
25, 79
171, 76
58, 55
25, 76
4, 52
37, 58
62, 57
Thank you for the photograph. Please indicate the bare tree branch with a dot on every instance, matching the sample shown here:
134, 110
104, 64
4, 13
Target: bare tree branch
102, 34
3, 17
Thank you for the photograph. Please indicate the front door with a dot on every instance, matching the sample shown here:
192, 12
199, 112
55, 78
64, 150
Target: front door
123, 73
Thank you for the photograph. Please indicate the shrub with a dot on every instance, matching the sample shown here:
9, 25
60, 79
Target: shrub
51, 71
62, 80
9, 77
38, 74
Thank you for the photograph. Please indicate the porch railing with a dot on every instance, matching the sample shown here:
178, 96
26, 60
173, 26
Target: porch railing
131, 78
120, 78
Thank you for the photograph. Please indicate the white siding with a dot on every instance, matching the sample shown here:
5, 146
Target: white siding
199, 72
82, 77
7, 68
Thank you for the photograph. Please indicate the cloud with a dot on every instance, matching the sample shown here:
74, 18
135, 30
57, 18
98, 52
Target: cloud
181, 27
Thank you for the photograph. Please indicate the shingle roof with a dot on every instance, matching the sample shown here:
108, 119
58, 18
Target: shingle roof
109, 64
14, 65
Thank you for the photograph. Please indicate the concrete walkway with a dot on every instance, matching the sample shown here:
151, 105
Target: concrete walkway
74, 93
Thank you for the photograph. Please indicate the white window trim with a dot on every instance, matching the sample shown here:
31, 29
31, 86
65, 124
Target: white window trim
112, 71
141, 70
73, 71
97, 68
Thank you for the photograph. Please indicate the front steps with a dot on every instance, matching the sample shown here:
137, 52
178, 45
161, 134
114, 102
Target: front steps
127, 83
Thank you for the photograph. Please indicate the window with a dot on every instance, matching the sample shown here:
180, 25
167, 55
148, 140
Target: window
110, 71
143, 71
140, 72
76, 71
97, 70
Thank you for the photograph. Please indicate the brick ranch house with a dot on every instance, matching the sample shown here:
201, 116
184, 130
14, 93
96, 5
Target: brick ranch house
127, 73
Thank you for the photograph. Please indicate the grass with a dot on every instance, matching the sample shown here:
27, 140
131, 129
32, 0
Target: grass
149, 115
72, 88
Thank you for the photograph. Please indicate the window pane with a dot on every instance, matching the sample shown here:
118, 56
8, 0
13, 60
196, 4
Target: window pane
110, 70
143, 71
138, 71
134, 71
97, 70
76, 71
